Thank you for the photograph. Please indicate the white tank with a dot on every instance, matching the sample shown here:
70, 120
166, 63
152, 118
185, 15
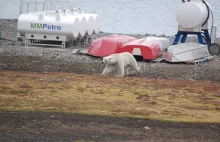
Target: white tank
49, 24
67, 23
191, 14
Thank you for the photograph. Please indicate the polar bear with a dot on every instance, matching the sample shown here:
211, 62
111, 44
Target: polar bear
122, 62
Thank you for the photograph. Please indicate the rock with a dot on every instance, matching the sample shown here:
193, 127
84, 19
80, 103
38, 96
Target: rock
147, 128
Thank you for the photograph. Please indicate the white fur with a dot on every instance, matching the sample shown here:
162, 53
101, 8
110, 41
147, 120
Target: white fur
122, 62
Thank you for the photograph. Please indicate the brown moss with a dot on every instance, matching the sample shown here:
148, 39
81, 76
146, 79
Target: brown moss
173, 100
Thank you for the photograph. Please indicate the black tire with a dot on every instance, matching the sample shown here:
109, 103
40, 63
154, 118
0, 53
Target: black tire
214, 49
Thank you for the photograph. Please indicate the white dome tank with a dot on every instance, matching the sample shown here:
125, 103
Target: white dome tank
96, 23
49, 24
90, 24
191, 14
83, 25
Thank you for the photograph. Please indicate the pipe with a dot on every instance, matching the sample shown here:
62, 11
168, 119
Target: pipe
21, 7
208, 8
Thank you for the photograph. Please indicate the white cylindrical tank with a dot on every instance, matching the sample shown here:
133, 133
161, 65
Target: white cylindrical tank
191, 14
49, 24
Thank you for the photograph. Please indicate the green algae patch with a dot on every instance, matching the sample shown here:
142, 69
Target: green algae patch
137, 97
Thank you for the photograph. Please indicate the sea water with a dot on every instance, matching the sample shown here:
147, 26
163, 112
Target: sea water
126, 16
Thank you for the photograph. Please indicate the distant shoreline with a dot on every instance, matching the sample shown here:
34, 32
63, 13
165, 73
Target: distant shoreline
107, 33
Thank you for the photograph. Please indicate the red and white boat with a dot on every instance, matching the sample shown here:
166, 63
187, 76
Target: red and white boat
108, 45
146, 47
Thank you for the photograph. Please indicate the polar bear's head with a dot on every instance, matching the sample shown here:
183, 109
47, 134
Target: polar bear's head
109, 59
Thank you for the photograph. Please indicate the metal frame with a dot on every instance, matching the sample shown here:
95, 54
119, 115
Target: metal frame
183, 35
28, 42
39, 39
46, 5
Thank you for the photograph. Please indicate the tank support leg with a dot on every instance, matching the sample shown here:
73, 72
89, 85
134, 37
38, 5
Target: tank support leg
63, 44
200, 38
89, 40
26, 42
184, 37
199, 35
176, 40
206, 33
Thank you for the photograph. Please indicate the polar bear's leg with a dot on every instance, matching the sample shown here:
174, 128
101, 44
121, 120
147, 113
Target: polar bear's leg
121, 69
108, 69
134, 65
137, 69
127, 71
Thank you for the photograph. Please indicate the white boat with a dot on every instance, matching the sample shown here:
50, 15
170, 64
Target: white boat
164, 43
185, 52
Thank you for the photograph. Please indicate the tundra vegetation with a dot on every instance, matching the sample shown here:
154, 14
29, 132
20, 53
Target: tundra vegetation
161, 99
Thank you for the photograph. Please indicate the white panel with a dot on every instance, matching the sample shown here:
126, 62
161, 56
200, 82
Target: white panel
136, 51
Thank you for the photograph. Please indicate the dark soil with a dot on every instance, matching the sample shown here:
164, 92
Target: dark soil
57, 127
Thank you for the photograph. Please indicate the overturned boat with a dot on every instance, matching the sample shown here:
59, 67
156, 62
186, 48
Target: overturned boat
108, 45
185, 52
164, 43
148, 48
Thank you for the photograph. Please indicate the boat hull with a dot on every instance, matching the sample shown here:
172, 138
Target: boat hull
186, 52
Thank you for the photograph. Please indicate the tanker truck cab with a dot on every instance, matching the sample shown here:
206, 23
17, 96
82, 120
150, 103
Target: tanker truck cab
45, 26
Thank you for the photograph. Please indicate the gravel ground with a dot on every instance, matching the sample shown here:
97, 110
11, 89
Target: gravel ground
56, 59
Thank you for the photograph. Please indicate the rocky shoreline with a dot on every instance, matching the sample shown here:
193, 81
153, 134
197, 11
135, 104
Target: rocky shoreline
14, 56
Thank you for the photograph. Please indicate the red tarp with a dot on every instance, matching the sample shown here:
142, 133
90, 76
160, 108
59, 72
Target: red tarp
108, 45
148, 48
